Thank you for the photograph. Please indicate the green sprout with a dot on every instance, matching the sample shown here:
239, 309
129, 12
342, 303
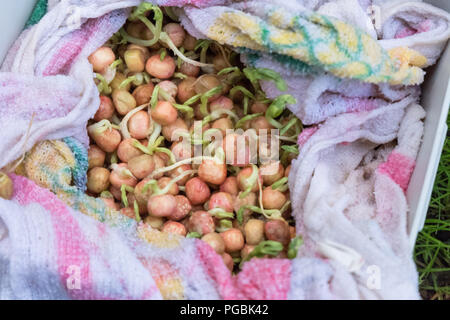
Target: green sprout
256, 74
194, 235
294, 245
264, 248
277, 107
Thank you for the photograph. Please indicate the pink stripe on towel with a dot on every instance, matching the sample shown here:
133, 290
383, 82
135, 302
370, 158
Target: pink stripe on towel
71, 244
265, 279
399, 168
63, 59
405, 32
217, 271
260, 279
305, 135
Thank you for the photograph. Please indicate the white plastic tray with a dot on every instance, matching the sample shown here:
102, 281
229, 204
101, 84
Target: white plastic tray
435, 100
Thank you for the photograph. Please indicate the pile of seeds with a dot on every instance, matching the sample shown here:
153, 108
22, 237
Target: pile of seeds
186, 141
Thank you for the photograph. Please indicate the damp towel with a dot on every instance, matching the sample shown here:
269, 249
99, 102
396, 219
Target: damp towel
350, 191
396, 24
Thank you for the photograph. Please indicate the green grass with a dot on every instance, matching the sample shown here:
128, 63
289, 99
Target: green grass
432, 251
